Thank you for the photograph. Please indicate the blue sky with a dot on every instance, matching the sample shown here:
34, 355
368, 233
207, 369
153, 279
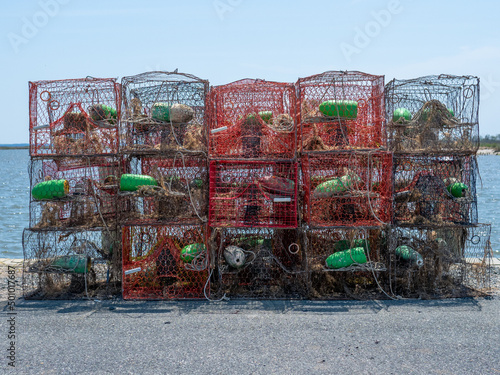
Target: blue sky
226, 40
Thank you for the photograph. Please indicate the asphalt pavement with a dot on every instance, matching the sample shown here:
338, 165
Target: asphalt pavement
454, 336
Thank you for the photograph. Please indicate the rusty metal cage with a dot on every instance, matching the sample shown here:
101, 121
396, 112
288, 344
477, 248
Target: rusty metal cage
76, 192
257, 263
165, 262
253, 194
435, 190
439, 262
71, 264
347, 188
179, 196
341, 110
74, 117
162, 112
433, 114
347, 262
252, 119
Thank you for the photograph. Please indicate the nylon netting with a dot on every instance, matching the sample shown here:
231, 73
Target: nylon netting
257, 263
437, 114
74, 117
252, 119
253, 194
347, 188
67, 264
435, 190
179, 196
165, 262
337, 126
162, 112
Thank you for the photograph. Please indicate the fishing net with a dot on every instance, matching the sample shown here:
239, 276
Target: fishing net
257, 263
88, 199
252, 119
347, 262
179, 196
163, 112
433, 114
253, 194
71, 264
439, 262
341, 110
165, 262
347, 188
435, 190
74, 117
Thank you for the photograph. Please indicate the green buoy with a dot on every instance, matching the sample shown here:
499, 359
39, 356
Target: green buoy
457, 189
100, 112
131, 182
50, 189
78, 263
401, 115
346, 258
161, 111
407, 253
343, 245
339, 108
336, 186
189, 252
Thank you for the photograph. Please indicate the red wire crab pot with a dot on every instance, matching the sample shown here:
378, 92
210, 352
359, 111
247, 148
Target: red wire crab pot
74, 117
435, 190
73, 192
433, 114
165, 262
260, 263
163, 112
253, 194
160, 189
341, 110
347, 188
252, 119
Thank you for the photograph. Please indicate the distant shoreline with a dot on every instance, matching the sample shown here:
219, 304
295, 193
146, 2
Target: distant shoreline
14, 147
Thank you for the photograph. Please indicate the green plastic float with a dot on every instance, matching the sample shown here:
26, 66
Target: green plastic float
77, 263
50, 189
339, 108
343, 245
410, 255
336, 186
189, 252
457, 189
100, 112
401, 115
161, 111
342, 259
131, 182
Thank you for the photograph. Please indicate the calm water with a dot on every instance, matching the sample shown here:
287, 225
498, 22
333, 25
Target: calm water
14, 198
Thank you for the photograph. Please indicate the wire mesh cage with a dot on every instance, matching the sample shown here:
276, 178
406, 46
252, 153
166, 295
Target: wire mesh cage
165, 262
435, 190
164, 189
437, 114
163, 111
346, 262
440, 262
257, 263
73, 192
347, 188
254, 119
253, 194
74, 117
341, 110
71, 264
